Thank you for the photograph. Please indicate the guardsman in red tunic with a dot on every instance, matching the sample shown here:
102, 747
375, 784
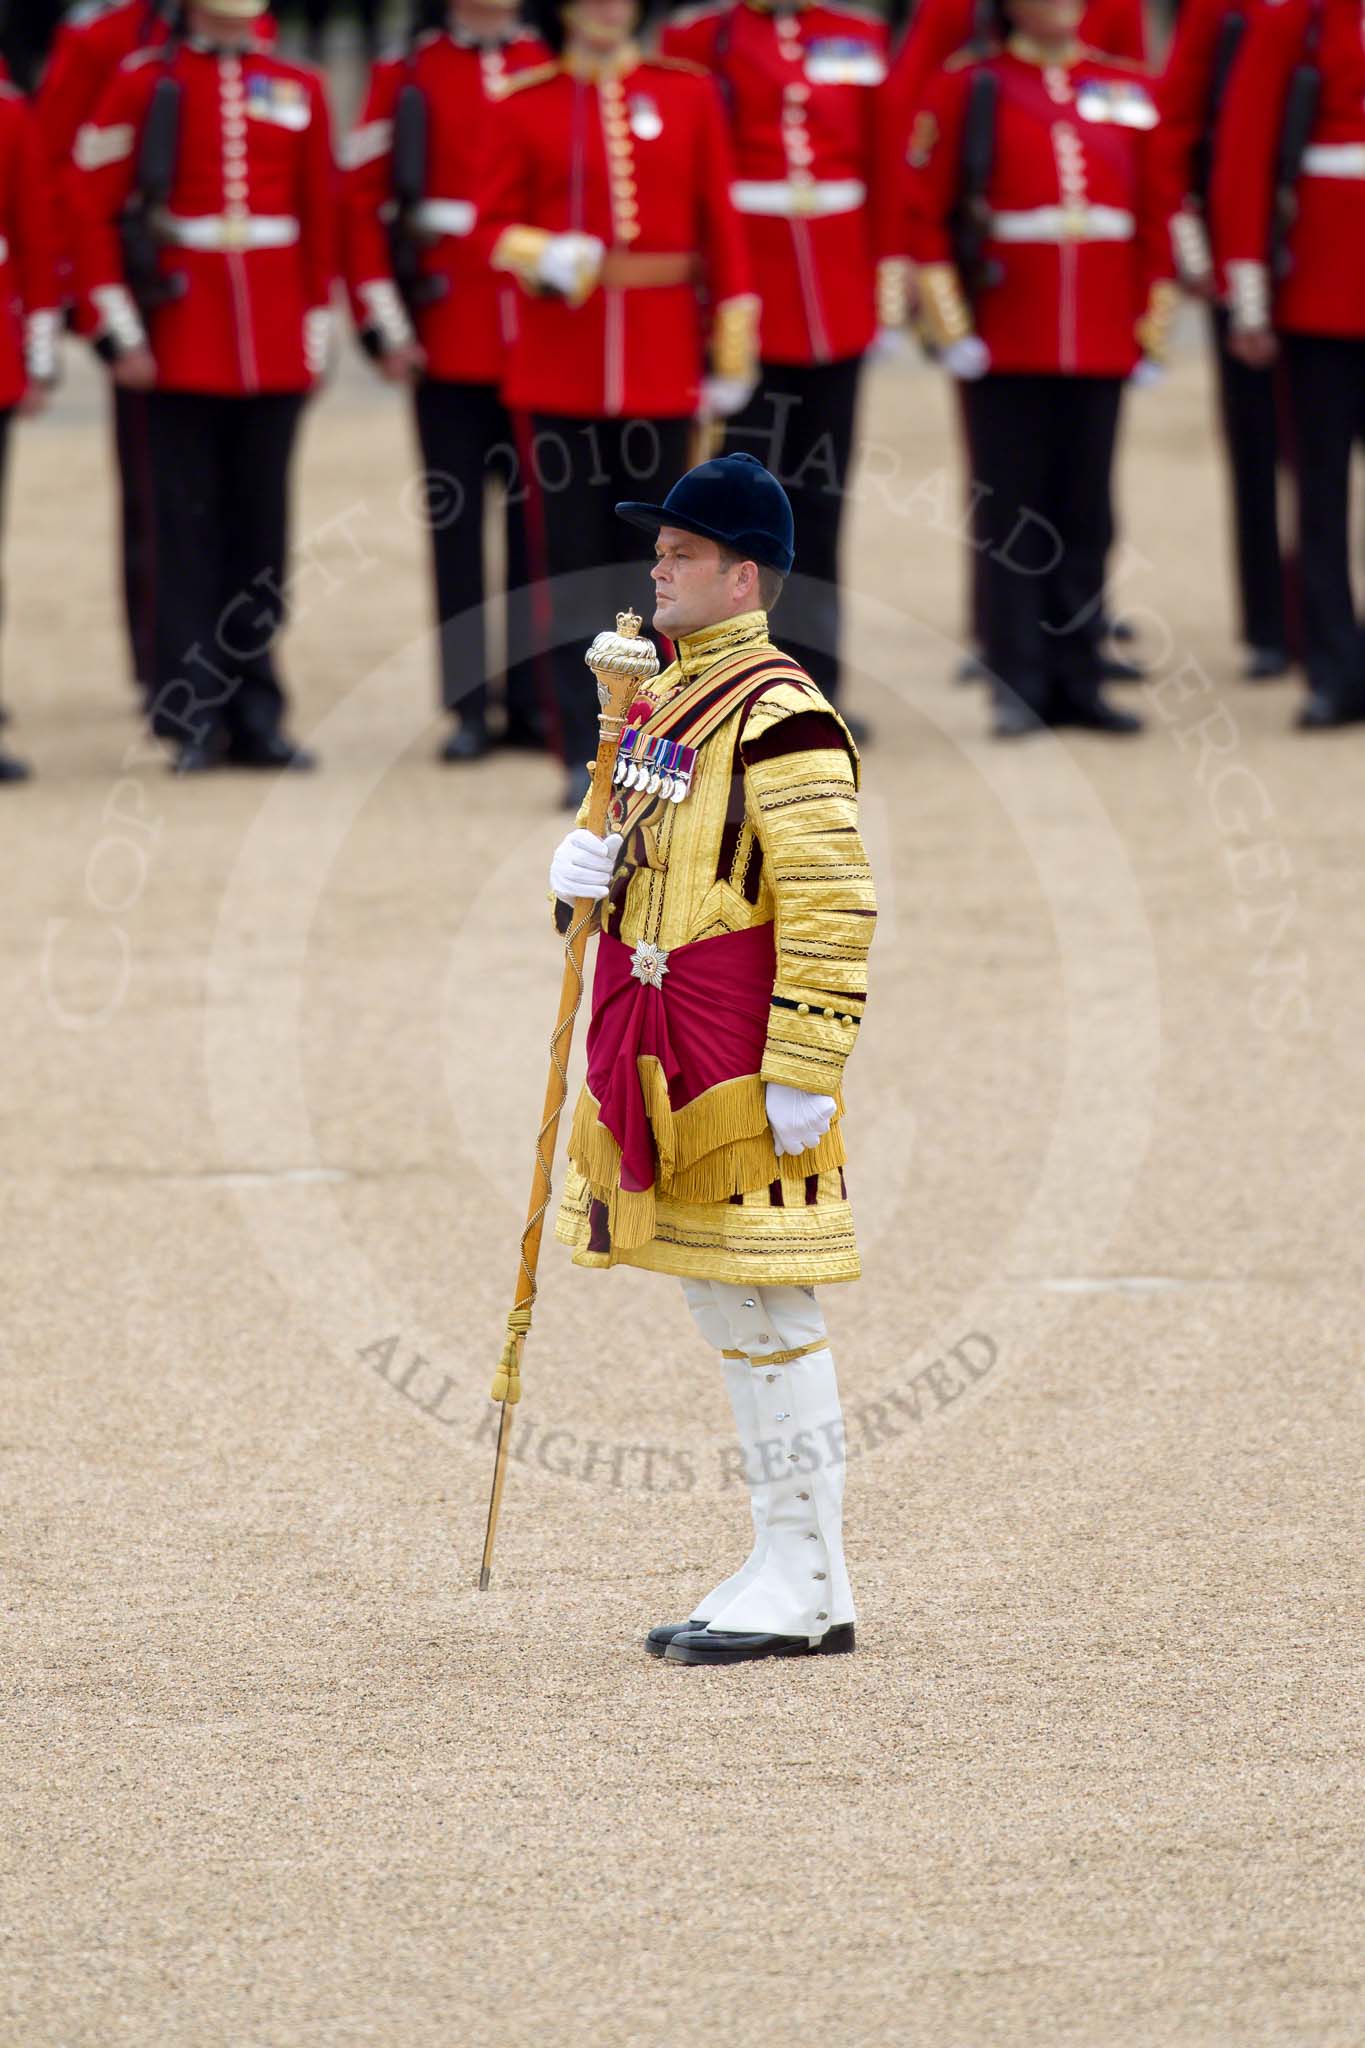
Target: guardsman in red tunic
1068, 291
802, 85
1190, 98
89, 47
607, 197
230, 337
940, 28
28, 288
442, 321
1293, 265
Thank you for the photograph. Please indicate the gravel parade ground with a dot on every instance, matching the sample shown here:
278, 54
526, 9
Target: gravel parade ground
276, 1775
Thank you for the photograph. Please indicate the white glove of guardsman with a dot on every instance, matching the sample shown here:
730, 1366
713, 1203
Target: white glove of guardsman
798, 1120
583, 865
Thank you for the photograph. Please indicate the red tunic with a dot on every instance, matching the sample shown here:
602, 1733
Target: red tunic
1078, 231
940, 28
466, 331
28, 277
662, 188
803, 92
1185, 97
250, 219
88, 48
1323, 291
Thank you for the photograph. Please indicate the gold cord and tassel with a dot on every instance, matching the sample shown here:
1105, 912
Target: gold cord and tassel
620, 661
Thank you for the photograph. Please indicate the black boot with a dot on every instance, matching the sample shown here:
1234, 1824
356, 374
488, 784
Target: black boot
1097, 716
1324, 714
1265, 664
12, 770
273, 752
727, 1646
658, 1639
468, 742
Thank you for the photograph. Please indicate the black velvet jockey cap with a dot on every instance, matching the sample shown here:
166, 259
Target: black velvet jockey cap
732, 499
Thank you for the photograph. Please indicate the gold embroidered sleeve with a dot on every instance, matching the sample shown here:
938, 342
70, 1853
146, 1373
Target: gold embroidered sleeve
804, 807
734, 338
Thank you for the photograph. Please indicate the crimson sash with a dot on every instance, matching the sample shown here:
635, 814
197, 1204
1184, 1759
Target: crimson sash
707, 1023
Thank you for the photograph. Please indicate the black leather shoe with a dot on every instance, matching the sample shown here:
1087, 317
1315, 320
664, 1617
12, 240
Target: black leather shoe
971, 669
523, 738
12, 770
275, 752
1265, 664
658, 1639
197, 758
1099, 717
727, 1646
1320, 714
1114, 668
1014, 721
467, 743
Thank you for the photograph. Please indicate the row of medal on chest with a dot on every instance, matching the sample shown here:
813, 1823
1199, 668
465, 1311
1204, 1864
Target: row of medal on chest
654, 765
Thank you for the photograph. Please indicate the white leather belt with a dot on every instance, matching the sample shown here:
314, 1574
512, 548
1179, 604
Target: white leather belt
1334, 160
227, 231
444, 216
1064, 224
786, 198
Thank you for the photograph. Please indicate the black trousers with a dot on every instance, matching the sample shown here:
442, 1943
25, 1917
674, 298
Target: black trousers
6, 415
468, 442
220, 493
592, 561
801, 422
132, 454
1327, 398
1043, 448
1248, 406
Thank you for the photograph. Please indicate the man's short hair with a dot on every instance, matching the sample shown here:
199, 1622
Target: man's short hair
770, 581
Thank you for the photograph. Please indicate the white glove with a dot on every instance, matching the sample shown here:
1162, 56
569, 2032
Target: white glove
967, 359
798, 1120
569, 264
1147, 375
722, 396
583, 865
891, 345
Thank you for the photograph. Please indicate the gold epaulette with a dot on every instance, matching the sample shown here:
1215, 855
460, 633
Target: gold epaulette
782, 700
1137, 65
539, 74
971, 53
676, 64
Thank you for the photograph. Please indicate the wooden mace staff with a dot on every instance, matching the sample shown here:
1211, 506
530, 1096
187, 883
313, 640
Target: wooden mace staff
620, 661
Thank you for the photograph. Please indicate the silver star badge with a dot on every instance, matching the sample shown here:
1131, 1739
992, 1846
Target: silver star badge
649, 964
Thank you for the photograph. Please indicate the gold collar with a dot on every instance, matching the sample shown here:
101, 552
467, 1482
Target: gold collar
594, 69
1028, 51
699, 651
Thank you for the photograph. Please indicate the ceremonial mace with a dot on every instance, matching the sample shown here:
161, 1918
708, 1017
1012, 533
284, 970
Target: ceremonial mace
620, 661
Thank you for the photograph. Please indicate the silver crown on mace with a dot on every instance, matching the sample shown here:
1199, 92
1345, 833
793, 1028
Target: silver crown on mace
623, 653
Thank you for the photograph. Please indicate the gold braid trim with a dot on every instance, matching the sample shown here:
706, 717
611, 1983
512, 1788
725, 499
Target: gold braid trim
894, 279
519, 249
1154, 328
734, 338
944, 315
719, 1145
779, 1357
